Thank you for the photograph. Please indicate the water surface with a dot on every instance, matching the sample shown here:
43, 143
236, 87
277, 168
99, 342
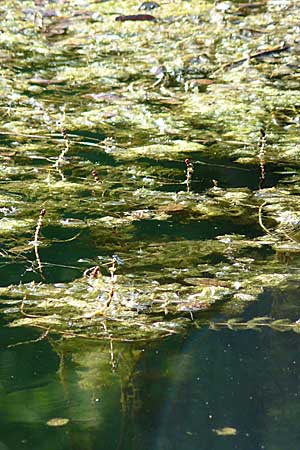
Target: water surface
175, 394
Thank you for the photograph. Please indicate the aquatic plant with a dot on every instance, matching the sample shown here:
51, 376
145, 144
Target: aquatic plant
130, 100
36, 238
189, 173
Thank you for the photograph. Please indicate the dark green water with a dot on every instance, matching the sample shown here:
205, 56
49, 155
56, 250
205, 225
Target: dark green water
170, 395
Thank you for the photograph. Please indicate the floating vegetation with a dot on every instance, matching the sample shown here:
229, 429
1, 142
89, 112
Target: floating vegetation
226, 431
137, 133
58, 422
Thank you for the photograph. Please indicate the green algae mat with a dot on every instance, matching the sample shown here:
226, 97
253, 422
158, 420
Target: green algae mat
149, 164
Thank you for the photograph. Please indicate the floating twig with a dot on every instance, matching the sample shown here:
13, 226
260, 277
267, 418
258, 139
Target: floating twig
269, 231
260, 218
136, 17
69, 239
31, 341
261, 53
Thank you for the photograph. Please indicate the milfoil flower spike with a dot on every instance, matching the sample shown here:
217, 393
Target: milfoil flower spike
189, 173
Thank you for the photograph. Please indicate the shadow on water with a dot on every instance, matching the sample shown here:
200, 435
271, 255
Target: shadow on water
224, 171
166, 230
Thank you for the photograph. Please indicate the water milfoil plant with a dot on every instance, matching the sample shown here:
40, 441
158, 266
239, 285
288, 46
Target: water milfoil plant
132, 118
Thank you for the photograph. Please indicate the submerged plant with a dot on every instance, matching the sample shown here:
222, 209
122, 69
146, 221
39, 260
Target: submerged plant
257, 323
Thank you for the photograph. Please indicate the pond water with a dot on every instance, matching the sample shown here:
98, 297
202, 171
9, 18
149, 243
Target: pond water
149, 224
211, 389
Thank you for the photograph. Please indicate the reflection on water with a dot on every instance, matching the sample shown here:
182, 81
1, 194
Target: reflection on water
179, 394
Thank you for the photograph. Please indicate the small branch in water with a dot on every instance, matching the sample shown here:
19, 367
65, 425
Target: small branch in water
261, 155
67, 240
189, 173
31, 341
260, 218
269, 232
136, 17
261, 53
